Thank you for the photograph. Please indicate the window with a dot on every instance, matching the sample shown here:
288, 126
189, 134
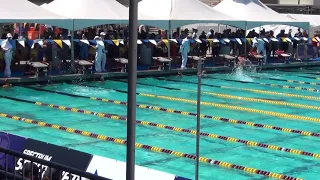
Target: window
270, 1
297, 2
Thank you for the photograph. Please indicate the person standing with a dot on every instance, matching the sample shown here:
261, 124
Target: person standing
99, 53
184, 50
260, 47
195, 34
84, 48
104, 52
7, 47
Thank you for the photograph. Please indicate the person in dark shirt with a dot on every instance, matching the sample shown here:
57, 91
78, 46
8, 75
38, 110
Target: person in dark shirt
204, 44
299, 33
289, 35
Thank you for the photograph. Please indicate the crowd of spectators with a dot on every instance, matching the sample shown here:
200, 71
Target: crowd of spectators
55, 55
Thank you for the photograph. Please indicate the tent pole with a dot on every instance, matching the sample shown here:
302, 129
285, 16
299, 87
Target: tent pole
132, 80
72, 48
198, 120
168, 36
245, 44
72, 43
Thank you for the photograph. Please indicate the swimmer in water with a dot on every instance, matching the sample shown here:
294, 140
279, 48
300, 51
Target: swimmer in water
179, 74
101, 78
6, 85
204, 73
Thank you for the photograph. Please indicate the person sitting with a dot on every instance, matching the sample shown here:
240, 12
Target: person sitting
6, 85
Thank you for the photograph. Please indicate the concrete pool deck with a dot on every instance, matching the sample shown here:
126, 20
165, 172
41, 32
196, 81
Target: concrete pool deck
146, 73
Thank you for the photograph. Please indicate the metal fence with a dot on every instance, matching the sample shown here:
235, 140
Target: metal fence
37, 169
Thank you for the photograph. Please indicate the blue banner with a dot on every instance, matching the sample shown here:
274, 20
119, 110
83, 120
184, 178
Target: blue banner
11, 142
305, 51
53, 153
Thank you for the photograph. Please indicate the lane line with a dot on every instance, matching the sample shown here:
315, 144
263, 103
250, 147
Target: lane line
268, 84
153, 148
274, 102
157, 108
308, 77
303, 72
251, 110
290, 81
183, 130
247, 89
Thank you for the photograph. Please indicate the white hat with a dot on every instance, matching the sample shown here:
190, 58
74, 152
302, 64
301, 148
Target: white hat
9, 35
102, 34
96, 38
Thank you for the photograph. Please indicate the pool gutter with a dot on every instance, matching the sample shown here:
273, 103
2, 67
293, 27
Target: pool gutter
145, 73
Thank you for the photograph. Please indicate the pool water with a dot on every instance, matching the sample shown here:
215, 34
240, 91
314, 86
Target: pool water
235, 153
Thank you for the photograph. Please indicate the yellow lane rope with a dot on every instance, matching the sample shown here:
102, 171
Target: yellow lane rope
156, 108
153, 148
251, 110
182, 130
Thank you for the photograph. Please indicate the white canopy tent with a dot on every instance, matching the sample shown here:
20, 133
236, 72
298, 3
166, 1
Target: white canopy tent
86, 13
43, 5
18, 11
314, 21
256, 13
276, 29
182, 12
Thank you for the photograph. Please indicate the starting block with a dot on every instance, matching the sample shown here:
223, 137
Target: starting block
39, 67
286, 57
228, 59
165, 63
123, 63
84, 67
195, 60
260, 59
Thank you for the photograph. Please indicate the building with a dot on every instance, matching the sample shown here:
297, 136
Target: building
294, 6
281, 6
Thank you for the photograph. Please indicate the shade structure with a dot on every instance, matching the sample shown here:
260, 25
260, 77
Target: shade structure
86, 13
256, 13
19, 11
43, 5
314, 20
183, 12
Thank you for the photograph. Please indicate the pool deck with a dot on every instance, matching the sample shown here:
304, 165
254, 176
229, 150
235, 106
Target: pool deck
146, 73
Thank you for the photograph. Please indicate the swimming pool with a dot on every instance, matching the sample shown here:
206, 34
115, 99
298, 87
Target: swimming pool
261, 101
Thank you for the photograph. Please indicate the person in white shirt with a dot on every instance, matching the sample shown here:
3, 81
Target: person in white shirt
99, 53
184, 50
210, 33
104, 52
261, 49
7, 47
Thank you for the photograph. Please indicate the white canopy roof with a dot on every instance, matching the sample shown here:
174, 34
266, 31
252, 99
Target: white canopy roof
86, 13
183, 12
256, 13
43, 5
314, 20
18, 11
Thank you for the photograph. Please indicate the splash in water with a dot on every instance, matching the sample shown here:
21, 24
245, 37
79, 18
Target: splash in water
241, 72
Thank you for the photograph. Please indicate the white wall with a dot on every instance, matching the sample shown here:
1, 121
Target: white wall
316, 2
296, 2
